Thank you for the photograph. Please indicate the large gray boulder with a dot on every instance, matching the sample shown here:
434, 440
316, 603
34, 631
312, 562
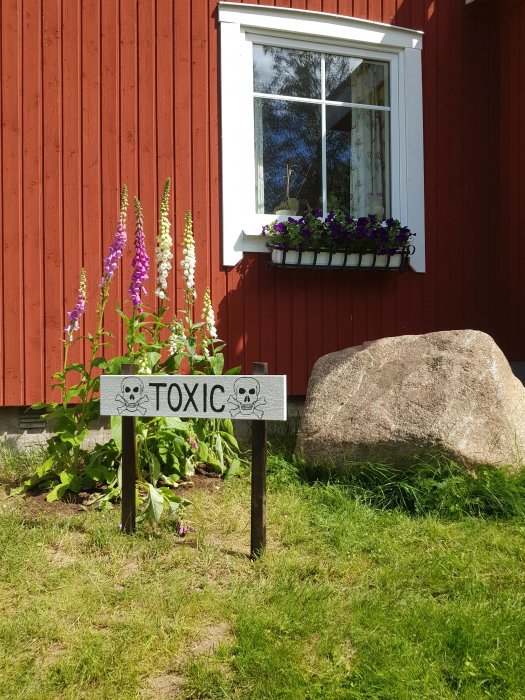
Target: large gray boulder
451, 392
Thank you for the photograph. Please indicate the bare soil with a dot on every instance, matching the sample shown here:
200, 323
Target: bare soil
36, 504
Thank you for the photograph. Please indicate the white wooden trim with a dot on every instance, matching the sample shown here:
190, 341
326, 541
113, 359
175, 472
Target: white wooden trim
240, 26
415, 188
319, 24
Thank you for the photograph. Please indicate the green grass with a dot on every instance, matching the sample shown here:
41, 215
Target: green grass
354, 598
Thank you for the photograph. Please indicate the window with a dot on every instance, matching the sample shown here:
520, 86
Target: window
317, 110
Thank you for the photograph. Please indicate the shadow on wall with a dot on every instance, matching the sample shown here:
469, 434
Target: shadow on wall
289, 318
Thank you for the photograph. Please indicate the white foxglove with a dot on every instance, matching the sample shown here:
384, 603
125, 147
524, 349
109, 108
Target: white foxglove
164, 244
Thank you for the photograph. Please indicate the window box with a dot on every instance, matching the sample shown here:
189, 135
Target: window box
338, 241
340, 260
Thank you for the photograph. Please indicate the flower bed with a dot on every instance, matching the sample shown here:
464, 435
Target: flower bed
339, 242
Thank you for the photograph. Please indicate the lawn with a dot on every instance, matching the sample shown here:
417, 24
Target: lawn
349, 600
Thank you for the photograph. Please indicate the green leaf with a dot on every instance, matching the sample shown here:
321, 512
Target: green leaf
101, 362
77, 367
99, 472
218, 447
217, 363
40, 404
155, 469
233, 370
45, 467
234, 468
177, 424
153, 358
203, 452
72, 439
170, 480
57, 493
70, 480
116, 431
114, 364
154, 504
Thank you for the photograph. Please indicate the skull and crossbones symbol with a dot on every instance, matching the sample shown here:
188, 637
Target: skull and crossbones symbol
246, 400
132, 396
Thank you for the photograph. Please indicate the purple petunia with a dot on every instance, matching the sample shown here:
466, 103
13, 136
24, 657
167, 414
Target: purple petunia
140, 262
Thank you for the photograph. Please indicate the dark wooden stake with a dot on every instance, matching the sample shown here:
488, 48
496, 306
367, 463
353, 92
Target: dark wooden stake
258, 516
129, 470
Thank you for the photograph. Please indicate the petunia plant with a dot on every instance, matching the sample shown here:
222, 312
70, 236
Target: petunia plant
338, 231
169, 449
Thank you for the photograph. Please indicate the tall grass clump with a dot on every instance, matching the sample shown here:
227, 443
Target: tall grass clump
439, 487
16, 464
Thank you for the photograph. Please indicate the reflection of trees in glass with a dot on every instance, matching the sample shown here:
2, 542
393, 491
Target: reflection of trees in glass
288, 72
289, 133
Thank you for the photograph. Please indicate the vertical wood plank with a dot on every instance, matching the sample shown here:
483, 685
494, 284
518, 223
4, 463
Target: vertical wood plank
72, 165
268, 305
129, 106
315, 310
299, 327
148, 189
200, 169
183, 131
235, 316
164, 134
110, 156
252, 311
345, 7
3, 298
12, 202
52, 188
32, 203
360, 9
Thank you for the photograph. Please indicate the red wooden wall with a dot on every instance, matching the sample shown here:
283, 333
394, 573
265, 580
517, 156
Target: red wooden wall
99, 92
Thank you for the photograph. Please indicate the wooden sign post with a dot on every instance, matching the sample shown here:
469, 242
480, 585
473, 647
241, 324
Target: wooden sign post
257, 398
128, 471
258, 501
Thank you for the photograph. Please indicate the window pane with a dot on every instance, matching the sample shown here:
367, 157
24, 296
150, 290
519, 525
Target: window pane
286, 72
287, 155
354, 80
357, 161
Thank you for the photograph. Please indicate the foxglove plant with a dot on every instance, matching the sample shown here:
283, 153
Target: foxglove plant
79, 309
164, 244
140, 262
189, 261
208, 315
119, 241
167, 448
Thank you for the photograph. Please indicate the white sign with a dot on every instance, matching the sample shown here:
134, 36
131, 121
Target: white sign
248, 397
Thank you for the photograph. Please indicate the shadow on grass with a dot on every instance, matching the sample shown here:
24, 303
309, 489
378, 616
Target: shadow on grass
436, 486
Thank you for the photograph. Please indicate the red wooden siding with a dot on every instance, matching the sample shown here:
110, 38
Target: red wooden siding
96, 93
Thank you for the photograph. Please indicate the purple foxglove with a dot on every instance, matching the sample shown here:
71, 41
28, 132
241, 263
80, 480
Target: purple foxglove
140, 262
119, 241
79, 309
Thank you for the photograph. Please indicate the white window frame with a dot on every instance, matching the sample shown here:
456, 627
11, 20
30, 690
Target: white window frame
243, 25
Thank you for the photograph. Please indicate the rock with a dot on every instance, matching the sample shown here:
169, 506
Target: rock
451, 392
